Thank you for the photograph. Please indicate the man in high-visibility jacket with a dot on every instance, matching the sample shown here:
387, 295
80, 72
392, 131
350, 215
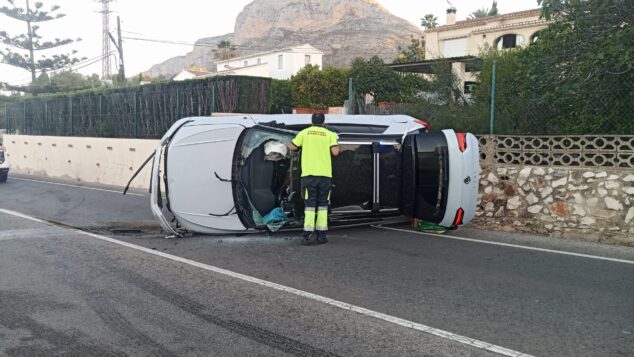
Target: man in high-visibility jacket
318, 146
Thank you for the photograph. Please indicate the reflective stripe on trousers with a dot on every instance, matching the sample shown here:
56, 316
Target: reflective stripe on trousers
320, 224
316, 192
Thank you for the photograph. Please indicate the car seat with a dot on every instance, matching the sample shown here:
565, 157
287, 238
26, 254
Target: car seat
260, 179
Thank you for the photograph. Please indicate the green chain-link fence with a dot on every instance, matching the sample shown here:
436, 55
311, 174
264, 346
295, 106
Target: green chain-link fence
141, 112
480, 97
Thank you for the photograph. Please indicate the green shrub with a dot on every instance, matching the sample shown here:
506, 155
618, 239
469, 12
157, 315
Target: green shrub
375, 79
315, 88
281, 97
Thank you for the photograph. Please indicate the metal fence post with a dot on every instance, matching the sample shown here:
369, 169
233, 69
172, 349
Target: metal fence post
350, 95
70, 101
213, 98
24, 118
6, 118
136, 116
100, 117
46, 117
177, 108
493, 80
30, 124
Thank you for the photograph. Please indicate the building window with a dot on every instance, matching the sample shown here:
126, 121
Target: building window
280, 62
455, 48
307, 59
509, 41
470, 87
535, 36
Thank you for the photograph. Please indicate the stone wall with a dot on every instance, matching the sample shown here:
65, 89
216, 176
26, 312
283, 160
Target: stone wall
584, 203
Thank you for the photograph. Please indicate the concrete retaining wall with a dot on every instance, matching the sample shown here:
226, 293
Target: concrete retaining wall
584, 203
98, 160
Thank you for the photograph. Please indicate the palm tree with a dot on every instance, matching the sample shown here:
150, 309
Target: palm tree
429, 21
225, 50
484, 12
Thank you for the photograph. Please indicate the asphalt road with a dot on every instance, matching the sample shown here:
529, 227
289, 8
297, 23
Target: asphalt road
64, 290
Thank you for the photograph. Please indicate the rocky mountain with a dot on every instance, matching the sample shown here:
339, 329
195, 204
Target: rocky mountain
342, 29
202, 56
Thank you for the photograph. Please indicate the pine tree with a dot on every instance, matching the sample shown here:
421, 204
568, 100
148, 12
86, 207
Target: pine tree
32, 42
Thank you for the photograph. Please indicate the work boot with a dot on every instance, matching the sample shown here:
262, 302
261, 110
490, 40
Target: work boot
321, 237
308, 238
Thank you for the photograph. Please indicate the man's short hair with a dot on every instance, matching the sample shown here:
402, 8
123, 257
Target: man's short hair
318, 118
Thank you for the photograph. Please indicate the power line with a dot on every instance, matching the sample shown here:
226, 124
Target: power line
168, 42
88, 64
70, 68
183, 43
134, 33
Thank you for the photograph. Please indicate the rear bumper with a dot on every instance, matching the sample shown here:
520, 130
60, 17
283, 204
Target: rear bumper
464, 179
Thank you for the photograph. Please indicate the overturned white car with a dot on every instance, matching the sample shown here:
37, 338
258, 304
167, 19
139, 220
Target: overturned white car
221, 175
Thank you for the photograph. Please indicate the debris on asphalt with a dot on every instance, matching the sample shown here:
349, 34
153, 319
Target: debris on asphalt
428, 227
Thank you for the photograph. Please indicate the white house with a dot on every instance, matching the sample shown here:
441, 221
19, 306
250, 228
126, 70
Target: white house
191, 73
278, 64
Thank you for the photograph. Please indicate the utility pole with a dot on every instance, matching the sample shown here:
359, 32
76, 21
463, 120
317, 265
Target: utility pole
105, 40
119, 45
120, 48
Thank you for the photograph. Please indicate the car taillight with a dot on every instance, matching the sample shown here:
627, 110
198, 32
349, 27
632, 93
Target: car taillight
462, 141
423, 123
459, 215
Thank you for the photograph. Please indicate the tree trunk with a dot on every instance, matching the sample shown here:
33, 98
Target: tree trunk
28, 23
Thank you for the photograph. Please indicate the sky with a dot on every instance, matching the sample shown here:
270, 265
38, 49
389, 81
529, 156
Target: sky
183, 21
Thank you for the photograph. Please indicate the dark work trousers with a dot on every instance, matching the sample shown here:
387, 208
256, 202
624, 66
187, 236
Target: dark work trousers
316, 192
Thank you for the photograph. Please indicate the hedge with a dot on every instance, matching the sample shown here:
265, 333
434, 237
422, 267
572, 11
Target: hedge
145, 111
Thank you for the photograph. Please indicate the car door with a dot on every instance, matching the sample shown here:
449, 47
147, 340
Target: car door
367, 175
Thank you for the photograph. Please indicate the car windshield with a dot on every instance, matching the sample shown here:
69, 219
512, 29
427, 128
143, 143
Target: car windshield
256, 138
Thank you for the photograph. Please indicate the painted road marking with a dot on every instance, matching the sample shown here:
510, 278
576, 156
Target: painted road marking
325, 300
544, 250
31, 233
77, 186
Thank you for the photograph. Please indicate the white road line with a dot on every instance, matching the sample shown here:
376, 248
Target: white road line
77, 186
325, 300
562, 252
20, 215
31, 233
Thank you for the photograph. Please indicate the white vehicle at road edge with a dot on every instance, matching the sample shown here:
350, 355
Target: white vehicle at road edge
4, 165
215, 175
